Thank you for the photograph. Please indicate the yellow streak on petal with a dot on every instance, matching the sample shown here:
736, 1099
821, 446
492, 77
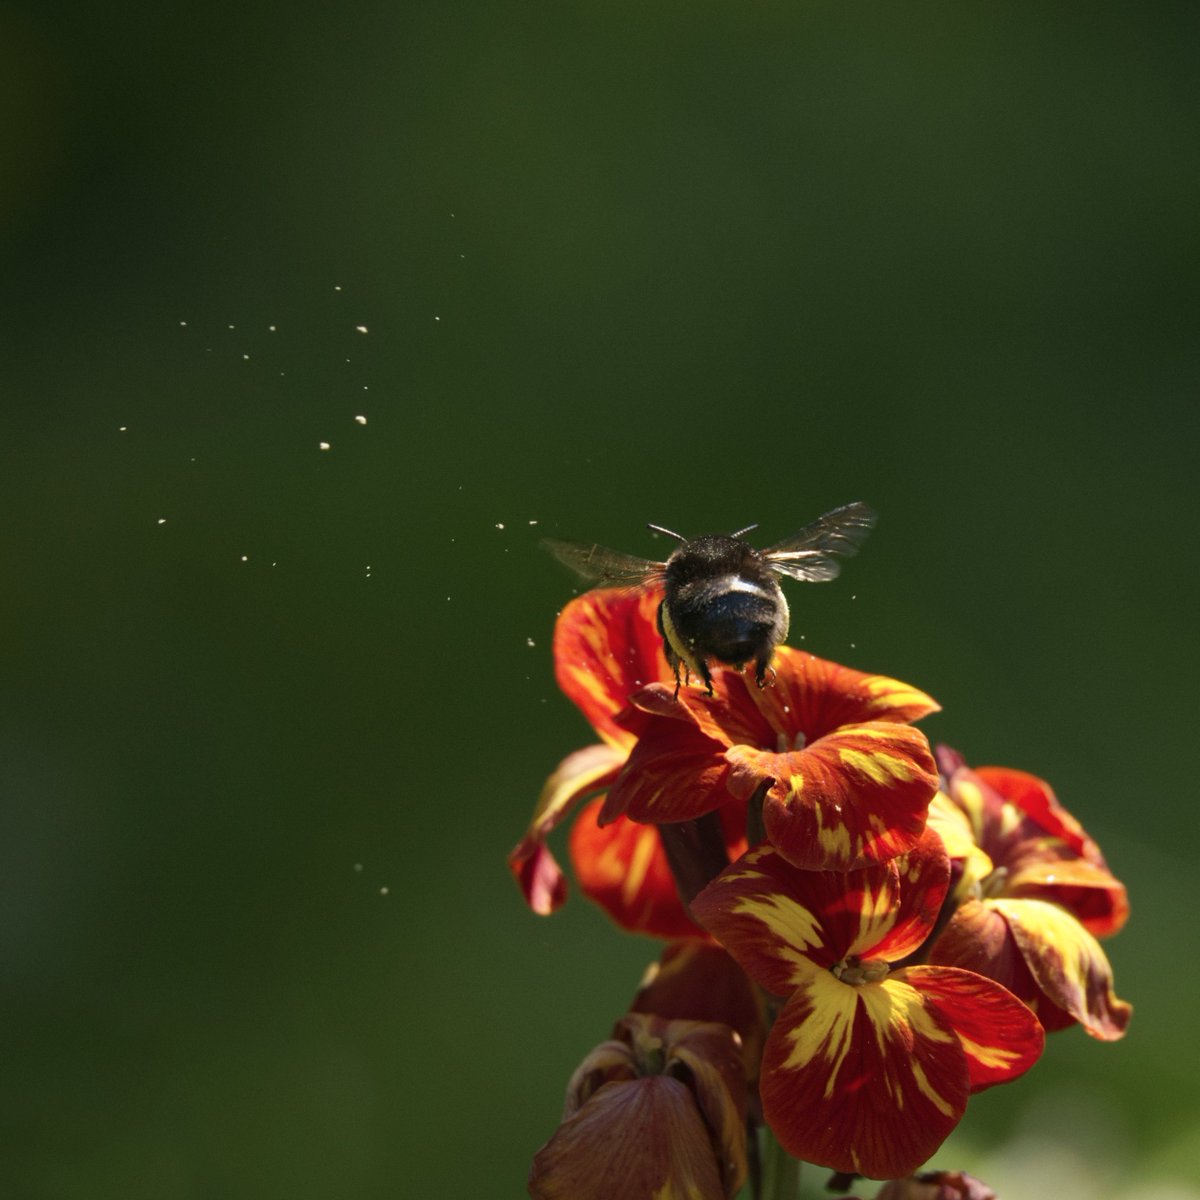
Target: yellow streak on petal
991, 1056
670, 1191
639, 864
1062, 940
875, 919
891, 693
826, 1031
791, 923
970, 798
879, 767
899, 1015
885, 735
587, 682
834, 839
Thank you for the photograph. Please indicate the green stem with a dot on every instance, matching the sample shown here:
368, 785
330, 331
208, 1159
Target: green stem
780, 1171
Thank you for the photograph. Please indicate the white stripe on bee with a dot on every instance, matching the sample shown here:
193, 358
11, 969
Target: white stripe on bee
735, 583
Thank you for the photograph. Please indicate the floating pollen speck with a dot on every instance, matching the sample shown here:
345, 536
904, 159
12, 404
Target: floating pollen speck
322, 445
361, 420
361, 328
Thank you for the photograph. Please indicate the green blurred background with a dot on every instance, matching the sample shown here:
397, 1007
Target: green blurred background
273, 715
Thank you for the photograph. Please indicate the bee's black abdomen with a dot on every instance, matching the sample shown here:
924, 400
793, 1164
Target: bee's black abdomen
727, 625
724, 601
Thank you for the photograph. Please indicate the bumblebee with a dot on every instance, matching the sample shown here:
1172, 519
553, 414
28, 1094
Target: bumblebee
721, 597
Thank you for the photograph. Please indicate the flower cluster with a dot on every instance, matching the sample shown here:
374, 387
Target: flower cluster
862, 935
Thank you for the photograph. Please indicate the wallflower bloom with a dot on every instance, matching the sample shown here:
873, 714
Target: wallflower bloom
846, 779
606, 647
867, 1068
657, 1111
1035, 894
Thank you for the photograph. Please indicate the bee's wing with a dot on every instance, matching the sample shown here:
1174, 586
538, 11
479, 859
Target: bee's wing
809, 554
598, 564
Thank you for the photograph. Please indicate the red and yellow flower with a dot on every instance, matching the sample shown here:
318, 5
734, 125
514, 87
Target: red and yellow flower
1035, 894
606, 647
845, 779
868, 1065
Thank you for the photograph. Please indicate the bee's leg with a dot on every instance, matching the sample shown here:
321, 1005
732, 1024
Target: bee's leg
676, 664
706, 676
673, 659
764, 673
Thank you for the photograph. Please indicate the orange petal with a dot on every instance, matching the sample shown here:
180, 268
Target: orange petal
675, 773
606, 647
978, 939
815, 696
1035, 798
1085, 889
622, 867
858, 796
999, 1035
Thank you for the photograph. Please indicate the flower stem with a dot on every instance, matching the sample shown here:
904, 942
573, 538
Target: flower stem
695, 851
780, 1171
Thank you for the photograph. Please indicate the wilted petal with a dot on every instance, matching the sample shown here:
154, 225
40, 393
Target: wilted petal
698, 981
659, 1110
868, 1080
537, 873
645, 1137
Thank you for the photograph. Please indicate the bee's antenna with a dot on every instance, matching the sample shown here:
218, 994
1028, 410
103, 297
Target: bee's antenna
669, 532
748, 529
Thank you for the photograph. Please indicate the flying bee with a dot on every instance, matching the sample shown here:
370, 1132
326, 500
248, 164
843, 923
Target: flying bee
721, 597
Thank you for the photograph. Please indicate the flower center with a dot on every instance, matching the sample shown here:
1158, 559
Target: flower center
993, 885
799, 741
650, 1055
854, 971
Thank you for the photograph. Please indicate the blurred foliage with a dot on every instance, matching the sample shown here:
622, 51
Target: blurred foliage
272, 715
